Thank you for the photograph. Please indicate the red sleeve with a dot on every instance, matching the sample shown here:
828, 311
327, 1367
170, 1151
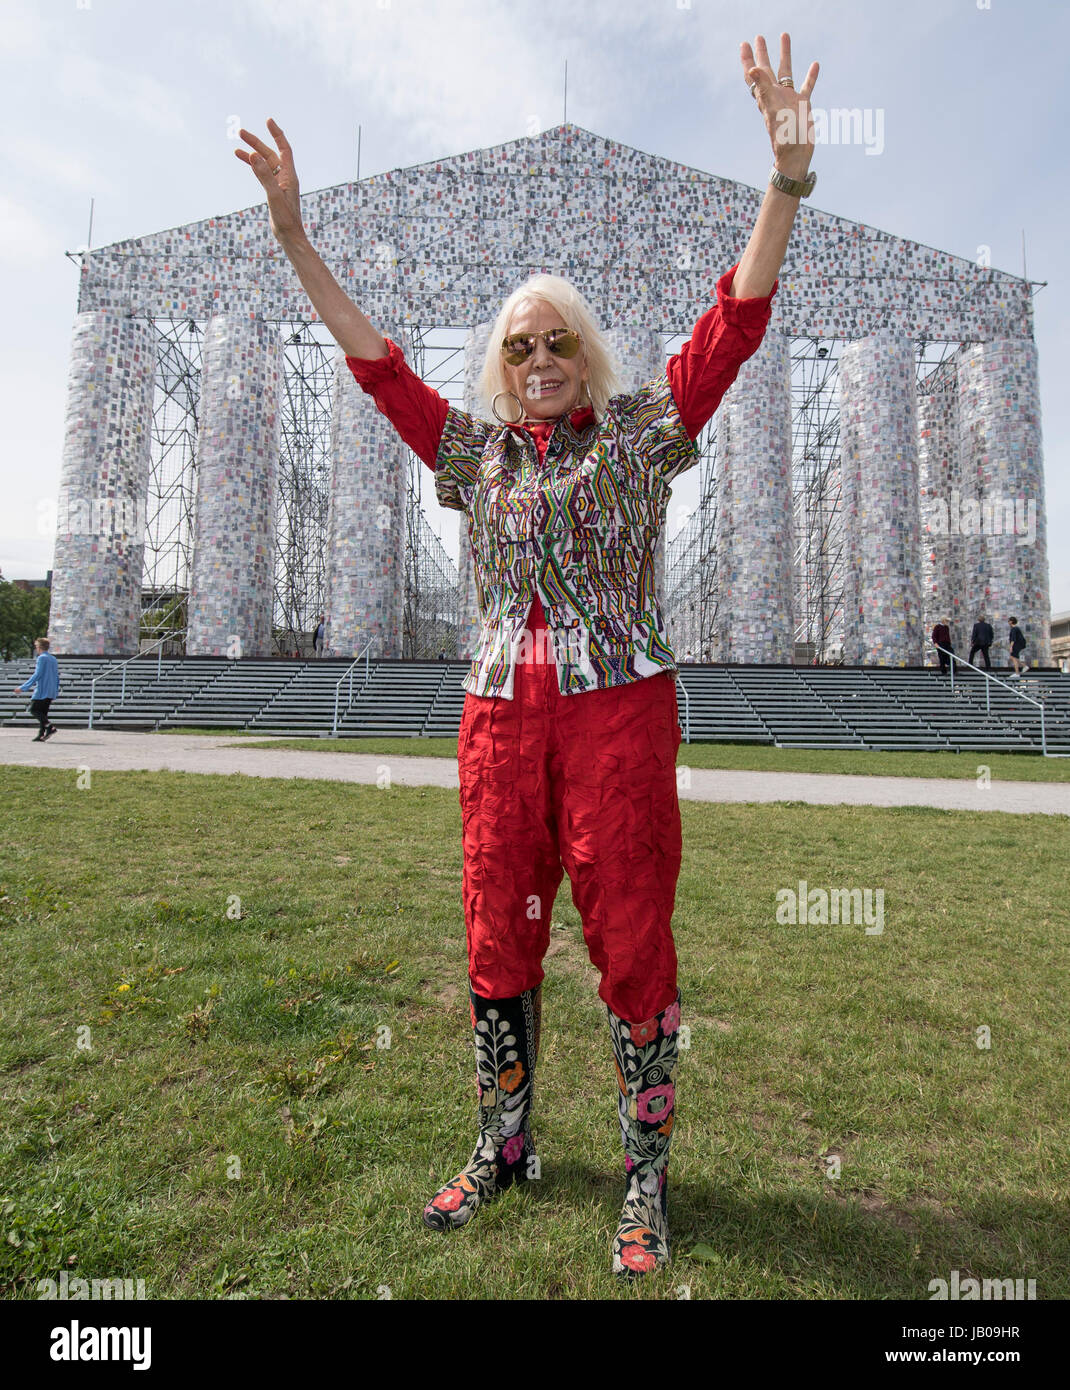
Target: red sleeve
412, 407
722, 340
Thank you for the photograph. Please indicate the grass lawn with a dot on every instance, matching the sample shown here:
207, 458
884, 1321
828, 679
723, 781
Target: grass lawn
198, 1099
1005, 767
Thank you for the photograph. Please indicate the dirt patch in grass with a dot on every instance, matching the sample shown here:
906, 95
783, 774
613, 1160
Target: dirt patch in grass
902, 1215
185, 1078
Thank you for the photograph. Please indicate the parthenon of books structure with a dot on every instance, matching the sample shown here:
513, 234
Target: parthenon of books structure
875, 467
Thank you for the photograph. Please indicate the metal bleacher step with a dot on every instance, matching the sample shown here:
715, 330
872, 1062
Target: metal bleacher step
794, 707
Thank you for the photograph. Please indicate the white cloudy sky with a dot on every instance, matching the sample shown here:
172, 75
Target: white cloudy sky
128, 102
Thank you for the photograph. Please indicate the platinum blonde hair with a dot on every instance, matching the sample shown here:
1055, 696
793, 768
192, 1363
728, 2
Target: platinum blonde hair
565, 298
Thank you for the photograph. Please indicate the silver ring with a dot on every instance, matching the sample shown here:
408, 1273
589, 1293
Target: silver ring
750, 87
786, 82
276, 170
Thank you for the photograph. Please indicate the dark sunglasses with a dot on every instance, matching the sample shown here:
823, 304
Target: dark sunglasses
562, 342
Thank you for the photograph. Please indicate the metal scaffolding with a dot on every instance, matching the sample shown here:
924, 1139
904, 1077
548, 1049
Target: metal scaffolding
432, 597
172, 479
304, 494
818, 540
304, 486
691, 594
431, 607
691, 568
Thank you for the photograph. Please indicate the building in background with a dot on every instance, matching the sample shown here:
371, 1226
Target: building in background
874, 468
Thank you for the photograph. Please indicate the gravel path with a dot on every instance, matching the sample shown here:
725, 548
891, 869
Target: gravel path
116, 750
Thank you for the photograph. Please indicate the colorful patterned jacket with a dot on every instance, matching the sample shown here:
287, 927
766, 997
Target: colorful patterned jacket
580, 529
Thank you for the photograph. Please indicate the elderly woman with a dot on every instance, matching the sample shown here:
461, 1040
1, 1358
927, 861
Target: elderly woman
568, 741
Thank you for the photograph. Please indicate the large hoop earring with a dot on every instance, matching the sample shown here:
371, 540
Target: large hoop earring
519, 406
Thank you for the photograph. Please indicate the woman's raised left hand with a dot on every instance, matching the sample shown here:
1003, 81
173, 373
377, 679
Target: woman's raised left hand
786, 111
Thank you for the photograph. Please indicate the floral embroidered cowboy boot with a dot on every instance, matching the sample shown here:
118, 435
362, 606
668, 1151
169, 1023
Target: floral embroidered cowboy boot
506, 1033
646, 1056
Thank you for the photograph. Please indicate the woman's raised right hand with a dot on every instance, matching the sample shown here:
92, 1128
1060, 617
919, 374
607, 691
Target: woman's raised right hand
283, 192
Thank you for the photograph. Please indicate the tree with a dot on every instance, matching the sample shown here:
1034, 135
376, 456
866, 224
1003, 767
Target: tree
23, 616
169, 620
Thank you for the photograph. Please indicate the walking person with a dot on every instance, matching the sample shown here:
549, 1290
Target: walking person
941, 635
981, 638
1017, 642
568, 763
318, 637
45, 679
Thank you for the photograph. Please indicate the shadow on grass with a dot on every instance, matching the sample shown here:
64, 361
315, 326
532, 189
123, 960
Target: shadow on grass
851, 1243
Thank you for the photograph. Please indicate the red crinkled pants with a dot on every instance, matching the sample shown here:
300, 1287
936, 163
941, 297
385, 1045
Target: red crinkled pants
587, 781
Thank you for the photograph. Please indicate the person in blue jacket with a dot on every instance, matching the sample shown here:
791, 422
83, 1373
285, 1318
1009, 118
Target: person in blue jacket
46, 678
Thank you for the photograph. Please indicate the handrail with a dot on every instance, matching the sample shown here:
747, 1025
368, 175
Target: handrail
349, 672
122, 665
989, 677
687, 710
441, 686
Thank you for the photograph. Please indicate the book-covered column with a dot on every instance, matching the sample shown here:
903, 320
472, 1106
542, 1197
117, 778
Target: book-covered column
233, 571
754, 535
365, 521
879, 501
104, 479
1003, 471
944, 552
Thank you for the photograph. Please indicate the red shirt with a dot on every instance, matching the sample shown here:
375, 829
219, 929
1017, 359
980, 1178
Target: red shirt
699, 374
